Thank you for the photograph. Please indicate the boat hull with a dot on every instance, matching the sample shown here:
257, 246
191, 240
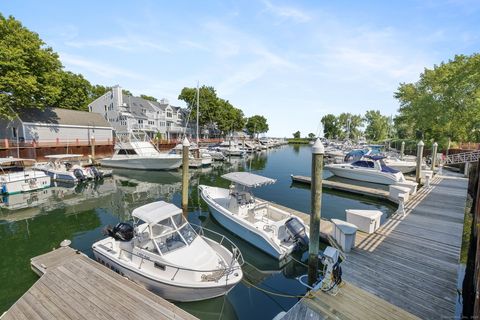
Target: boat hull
363, 175
247, 233
25, 185
143, 163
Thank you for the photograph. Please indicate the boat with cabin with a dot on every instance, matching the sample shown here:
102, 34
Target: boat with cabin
163, 252
141, 155
369, 169
16, 178
272, 230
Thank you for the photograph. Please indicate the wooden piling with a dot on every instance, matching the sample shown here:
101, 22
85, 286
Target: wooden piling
93, 148
185, 154
402, 150
434, 156
316, 210
418, 174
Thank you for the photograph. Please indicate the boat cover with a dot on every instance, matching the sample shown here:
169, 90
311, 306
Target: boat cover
248, 179
155, 212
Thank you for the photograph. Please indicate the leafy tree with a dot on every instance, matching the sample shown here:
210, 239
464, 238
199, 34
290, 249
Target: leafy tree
311, 136
377, 125
331, 128
127, 93
296, 135
256, 124
98, 91
75, 92
150, 98
444, 103
350, 125
29, 70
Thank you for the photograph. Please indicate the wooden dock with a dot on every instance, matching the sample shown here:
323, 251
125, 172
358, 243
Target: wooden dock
410, 262
346, 187
73, 286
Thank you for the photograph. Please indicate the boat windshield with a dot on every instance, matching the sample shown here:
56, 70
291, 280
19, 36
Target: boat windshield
170, 242
364, 164
188, 233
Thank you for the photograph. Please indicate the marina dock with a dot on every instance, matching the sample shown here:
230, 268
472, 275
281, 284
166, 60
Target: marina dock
346, 187
73, 286
410, 262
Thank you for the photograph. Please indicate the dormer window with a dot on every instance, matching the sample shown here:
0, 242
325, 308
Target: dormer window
169, 113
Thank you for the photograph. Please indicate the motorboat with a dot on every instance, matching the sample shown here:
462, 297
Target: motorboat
141, 155
167, 255
69, 168
369, 169
197, 157
216, 155
15, 178
274, 231
402, 165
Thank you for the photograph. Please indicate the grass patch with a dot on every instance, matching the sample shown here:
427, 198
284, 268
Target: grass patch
299, 141
467, 230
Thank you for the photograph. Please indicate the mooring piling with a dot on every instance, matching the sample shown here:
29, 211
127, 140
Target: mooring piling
185, 154
434, 156
402, 150
418, 175
316, 211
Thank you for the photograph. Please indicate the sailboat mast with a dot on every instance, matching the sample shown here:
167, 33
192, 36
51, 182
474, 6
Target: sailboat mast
198, 103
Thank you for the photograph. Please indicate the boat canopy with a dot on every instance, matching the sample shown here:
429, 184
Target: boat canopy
375, 157
248, 179
155, 212
8, 160
64, 156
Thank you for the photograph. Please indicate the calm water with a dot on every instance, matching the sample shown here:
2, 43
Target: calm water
31, 224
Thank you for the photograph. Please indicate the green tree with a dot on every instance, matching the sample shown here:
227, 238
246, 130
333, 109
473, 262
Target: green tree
98, 91
296, 135
127, 93
350, 125
150, 98
256, 124
75, 92
311, 136
444, 103
331, 127
29, 70
377, 125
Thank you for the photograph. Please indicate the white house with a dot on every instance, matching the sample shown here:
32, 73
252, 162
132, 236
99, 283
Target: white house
127, 113
56, 125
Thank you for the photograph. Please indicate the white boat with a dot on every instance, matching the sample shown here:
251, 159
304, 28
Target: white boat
274, 231
14, 178
165, 254
141, 155
405, 165
368, 169
68, 168
215, 154
197, 158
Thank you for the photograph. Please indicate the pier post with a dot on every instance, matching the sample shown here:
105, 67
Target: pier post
185, 154
418, 175
93, 148
402, 150
434, 156
316, 210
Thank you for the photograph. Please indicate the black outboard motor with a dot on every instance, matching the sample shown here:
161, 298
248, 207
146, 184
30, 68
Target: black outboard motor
297, 232
96, 174
78, 173
122, 231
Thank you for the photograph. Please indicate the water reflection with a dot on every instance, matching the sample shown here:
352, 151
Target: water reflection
34, 223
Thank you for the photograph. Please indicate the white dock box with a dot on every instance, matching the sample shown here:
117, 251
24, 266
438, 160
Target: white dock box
366, 220
412, 185
396, 190
344, 233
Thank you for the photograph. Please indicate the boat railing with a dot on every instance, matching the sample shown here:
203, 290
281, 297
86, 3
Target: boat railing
223, 241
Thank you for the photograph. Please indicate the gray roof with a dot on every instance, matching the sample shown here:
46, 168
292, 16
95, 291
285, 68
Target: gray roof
64, 116
136, 105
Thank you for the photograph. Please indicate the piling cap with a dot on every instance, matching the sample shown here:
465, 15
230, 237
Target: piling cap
403, 142
317, 147
185, 142
420, 143
435, 144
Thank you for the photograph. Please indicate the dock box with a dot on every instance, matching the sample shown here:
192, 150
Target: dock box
396, 190
366, 220
412, 185
344, 233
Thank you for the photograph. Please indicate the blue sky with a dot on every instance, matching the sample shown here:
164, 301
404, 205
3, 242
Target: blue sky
292, 61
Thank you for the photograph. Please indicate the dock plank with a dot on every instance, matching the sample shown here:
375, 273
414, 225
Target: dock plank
73, 286
411, 262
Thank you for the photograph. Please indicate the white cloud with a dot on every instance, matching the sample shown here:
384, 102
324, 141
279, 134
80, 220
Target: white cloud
127, 43
287, 12
98, 68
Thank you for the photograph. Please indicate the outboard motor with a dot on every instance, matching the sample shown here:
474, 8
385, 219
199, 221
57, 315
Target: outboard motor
122, 231
78, 173
96, 174
297, 231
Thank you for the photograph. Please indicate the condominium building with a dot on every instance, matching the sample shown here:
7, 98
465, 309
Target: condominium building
129, 114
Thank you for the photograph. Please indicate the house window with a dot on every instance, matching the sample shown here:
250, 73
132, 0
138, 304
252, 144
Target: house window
105, 107
144, 111
140, 121
169, 114
14, 132
90, 108
162, 123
